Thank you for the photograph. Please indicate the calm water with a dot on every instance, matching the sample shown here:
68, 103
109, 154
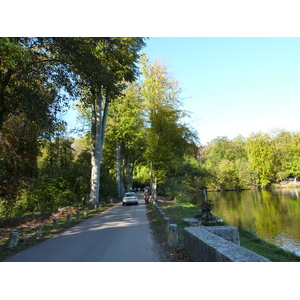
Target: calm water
273, 216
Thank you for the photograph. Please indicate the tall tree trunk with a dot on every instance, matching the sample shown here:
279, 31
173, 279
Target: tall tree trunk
128, 174
98, 130
155, 188
96, 150
119, 168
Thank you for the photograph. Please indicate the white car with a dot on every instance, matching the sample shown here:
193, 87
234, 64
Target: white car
130, 198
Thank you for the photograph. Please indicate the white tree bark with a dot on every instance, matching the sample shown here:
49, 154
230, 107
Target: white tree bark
96, 151
98, 130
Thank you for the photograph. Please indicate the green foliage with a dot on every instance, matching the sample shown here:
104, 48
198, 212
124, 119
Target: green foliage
226, 164
19, 149
38, 76
167, 139
141, 175
145, 118
226, 174
261, 151
258, 161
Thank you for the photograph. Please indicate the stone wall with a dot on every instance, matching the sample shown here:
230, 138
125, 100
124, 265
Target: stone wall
205, 244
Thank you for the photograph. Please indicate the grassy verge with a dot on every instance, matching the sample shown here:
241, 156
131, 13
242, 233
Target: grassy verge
177, 211
274, 253
47, 231
171, 254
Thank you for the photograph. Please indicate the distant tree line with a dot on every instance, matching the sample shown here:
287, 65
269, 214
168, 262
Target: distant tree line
259, 160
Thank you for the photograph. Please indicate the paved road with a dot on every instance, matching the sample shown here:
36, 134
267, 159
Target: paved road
120, 234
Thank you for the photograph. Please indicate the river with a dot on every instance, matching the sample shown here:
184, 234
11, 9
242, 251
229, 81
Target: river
273, 216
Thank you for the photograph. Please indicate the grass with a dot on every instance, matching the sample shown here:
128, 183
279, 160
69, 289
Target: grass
176, 211
47, 232
274, 253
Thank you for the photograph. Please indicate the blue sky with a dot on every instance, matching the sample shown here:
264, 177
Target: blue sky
235, 86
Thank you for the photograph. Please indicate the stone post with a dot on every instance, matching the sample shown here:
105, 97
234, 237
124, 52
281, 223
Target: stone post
13, 239
69, 218
173, 235
78, 215
96, 207
55, 223
166, 224
86, 211
39, 230
162, 216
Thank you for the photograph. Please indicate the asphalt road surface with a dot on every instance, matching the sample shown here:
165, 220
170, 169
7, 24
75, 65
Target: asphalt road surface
119, 234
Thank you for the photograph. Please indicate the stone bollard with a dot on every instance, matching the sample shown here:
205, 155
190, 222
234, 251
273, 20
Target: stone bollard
162, 216
166, 224
173, 235
55, 223
13, 239
78, 215
39, 230
161, 213
69, 218
86, 211
96, 207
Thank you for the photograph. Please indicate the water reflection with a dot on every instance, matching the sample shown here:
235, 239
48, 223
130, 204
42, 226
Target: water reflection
272, 215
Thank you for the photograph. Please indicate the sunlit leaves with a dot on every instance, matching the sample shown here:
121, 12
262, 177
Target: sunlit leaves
167, 139
261, 152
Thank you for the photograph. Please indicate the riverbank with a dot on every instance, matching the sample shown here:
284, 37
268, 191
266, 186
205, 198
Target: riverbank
287, 184
177, 211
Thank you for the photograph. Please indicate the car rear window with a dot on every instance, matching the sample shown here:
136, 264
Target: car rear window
130, 194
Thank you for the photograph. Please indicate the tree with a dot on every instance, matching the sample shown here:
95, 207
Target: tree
29, 102
19, 149
167, 139
106, 65
39, 75
31, 79
226, 175
261, 152
125, 135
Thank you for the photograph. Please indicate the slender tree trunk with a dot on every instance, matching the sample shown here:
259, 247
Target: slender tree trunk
122, 175
155, 188
119, 168
128, 174
103, 124
96, 150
